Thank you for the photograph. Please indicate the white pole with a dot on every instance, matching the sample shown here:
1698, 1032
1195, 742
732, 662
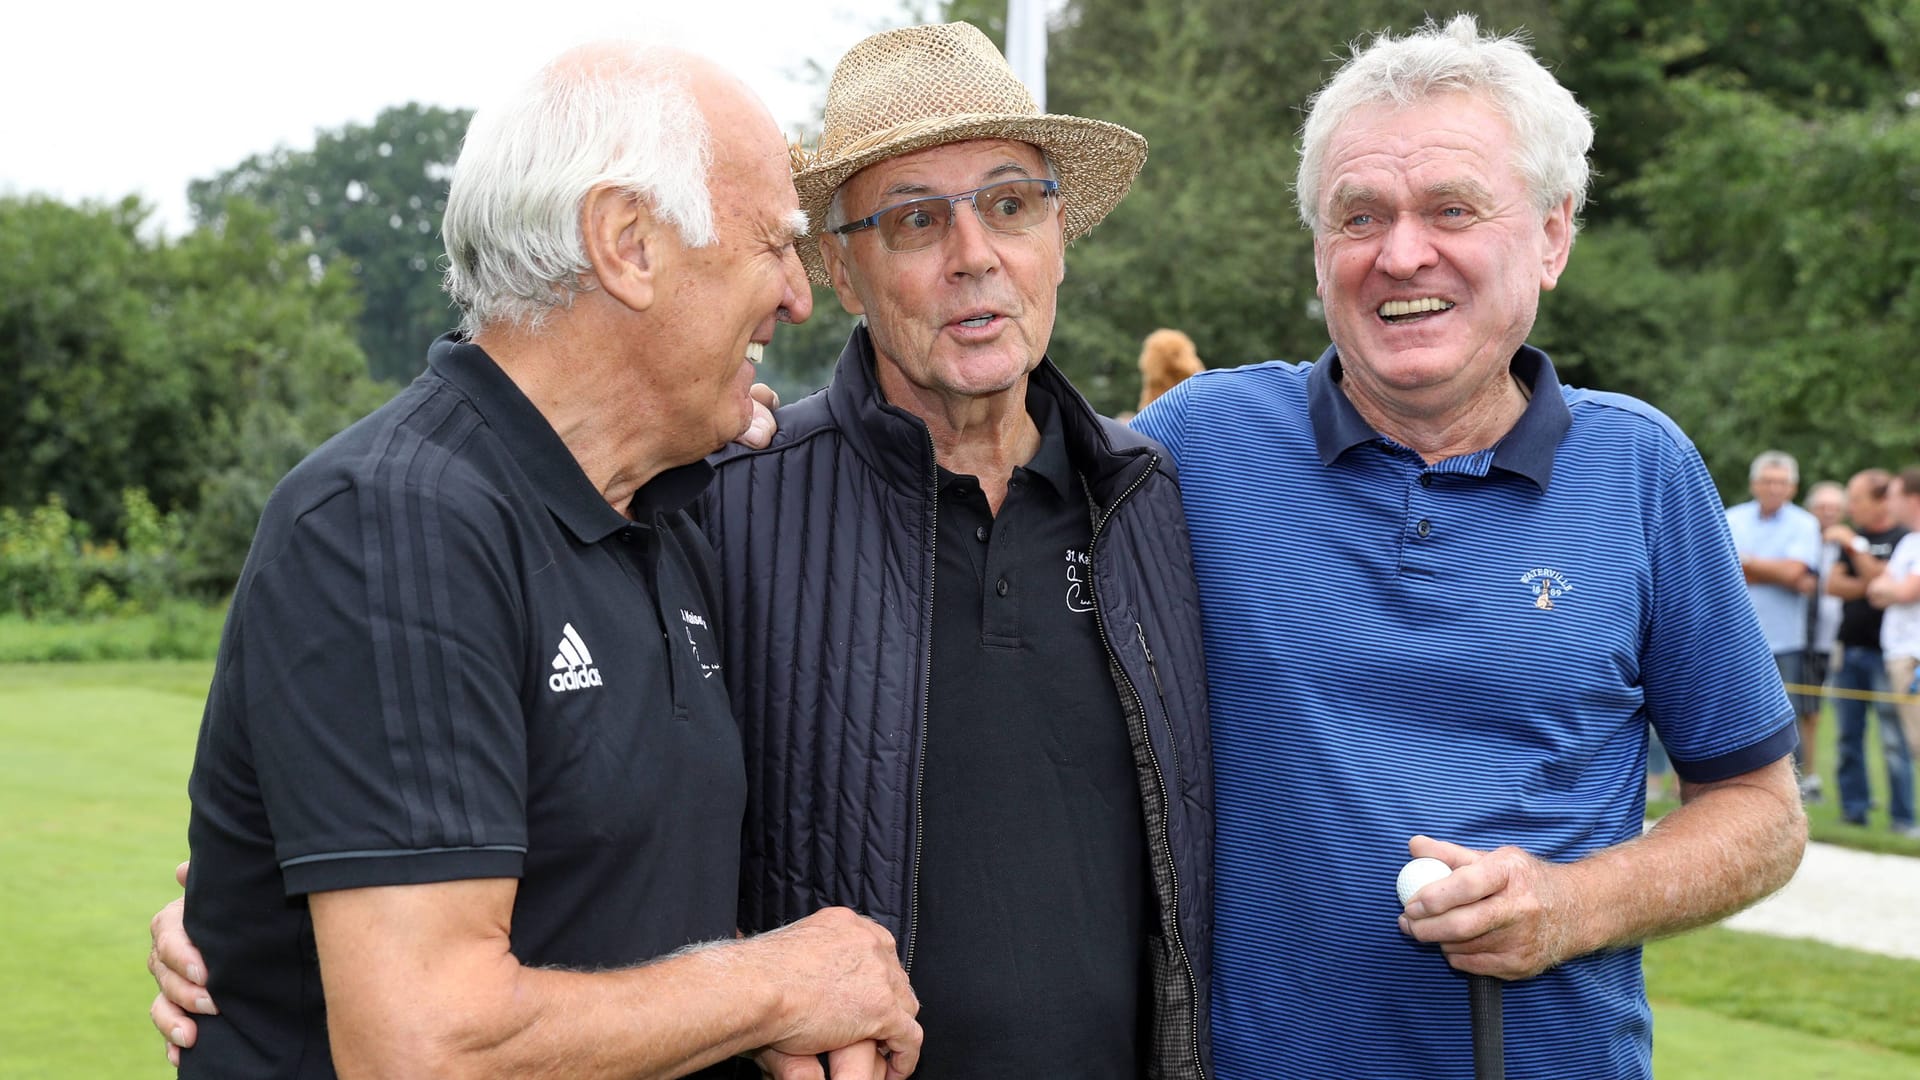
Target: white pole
1027, 46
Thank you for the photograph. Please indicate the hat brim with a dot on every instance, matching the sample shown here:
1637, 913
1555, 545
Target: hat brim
1096, 161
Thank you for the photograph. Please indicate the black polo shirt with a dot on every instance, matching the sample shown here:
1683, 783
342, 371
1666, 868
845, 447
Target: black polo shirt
449, 658
1859, 619
1029, 954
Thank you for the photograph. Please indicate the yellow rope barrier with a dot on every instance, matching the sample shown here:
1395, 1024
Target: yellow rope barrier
1851, 695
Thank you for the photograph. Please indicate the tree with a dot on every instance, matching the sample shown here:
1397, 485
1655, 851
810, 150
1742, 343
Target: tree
197, 370
371, 196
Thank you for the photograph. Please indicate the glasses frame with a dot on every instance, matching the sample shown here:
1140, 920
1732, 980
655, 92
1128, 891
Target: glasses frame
1049, 188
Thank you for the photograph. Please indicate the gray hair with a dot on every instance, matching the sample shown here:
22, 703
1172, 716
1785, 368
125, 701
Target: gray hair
1825, 489
1551, 131
613, 115
1775, 459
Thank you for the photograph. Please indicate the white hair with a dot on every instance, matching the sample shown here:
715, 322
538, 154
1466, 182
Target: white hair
1775, 459
1551, 131
612, 115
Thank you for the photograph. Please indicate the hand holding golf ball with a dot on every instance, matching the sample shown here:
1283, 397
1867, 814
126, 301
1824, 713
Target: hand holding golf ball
1417, 875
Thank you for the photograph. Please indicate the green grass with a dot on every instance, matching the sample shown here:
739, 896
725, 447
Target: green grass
1816, 990
94, 804
1699, 1044
93, 817
1823, 818
181, 630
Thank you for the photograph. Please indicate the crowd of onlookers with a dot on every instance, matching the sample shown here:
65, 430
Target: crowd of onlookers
1836, 585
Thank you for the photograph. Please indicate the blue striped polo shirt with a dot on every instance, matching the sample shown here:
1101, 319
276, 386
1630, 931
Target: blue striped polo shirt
1472, 650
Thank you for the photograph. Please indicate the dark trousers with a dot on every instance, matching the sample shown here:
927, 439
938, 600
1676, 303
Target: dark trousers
1864, 669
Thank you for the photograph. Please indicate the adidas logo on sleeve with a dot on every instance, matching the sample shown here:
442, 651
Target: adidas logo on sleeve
573, 665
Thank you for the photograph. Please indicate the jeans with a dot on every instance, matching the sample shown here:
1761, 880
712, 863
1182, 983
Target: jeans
1864, 669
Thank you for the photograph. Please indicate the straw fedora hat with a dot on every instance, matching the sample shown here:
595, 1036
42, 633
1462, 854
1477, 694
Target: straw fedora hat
908, 89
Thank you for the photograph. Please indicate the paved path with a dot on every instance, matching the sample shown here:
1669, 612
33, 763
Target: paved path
1845, 897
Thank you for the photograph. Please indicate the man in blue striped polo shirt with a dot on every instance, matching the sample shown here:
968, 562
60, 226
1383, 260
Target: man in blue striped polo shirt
1444, 596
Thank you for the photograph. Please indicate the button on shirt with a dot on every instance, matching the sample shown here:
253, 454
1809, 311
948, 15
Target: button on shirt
1787, 533
1029, 954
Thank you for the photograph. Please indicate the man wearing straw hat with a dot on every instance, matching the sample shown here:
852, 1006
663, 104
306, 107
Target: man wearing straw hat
963, 638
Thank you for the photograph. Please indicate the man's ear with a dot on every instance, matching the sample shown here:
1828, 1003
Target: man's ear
835, 261
624, 244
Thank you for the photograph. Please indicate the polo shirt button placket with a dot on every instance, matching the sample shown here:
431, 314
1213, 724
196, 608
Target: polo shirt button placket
1001, 588
981, 534
1424, 528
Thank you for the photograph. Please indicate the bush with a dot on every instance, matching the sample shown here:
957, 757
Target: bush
51, 567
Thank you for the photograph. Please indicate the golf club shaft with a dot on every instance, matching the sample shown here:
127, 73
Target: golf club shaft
1489, 1038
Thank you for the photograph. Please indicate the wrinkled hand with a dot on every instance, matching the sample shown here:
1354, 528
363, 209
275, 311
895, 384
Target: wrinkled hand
181, 975
841, 984
861, 1061
1502, 913
760, 429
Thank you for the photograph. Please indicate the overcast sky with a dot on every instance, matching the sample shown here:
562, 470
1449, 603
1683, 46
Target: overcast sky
102, 100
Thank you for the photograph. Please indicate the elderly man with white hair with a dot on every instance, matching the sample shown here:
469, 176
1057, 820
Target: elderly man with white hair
1511, 580
1779, 547
466, 789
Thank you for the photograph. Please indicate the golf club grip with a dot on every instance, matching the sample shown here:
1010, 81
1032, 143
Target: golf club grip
1489, 1037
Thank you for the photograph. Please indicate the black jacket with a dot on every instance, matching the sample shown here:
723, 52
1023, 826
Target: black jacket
826, 542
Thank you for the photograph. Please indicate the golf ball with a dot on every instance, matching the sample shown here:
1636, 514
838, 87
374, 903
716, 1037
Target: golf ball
1417, 875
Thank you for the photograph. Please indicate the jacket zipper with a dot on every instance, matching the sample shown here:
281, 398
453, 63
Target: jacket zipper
1159, 775
926, 704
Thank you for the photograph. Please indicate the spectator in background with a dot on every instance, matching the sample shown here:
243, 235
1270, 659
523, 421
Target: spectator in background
1779, 546
1861, 667
1827, 502
1897, 592
1166, 358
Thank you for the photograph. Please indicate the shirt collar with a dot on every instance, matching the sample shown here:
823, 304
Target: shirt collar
541, 454
1050, 462
1527, 449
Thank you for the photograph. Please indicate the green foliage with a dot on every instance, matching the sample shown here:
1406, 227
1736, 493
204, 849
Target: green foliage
1749, 255
198, 370
369, 197
51, 565
170, 630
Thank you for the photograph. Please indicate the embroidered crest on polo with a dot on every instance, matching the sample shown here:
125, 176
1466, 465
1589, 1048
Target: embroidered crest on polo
573, 665
1079, 581
1545, 585
692, 620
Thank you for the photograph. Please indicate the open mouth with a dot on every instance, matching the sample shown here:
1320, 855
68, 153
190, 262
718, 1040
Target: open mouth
977, 321
756, 351
1405, 311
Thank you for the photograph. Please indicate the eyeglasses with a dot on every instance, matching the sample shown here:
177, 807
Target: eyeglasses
1010, 206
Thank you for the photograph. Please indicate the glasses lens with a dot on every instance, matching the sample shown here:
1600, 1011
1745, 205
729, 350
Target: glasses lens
912, 226
1012, 206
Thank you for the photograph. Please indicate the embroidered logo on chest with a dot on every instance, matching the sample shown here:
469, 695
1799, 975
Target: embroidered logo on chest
1079, 581
573, 665
692, 622
1545, 585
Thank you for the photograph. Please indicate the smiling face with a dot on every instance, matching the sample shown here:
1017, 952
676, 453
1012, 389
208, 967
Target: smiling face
1430, 253
725, 298
971, 314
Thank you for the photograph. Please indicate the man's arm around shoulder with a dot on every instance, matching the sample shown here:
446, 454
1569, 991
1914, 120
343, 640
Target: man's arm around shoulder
420, 981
